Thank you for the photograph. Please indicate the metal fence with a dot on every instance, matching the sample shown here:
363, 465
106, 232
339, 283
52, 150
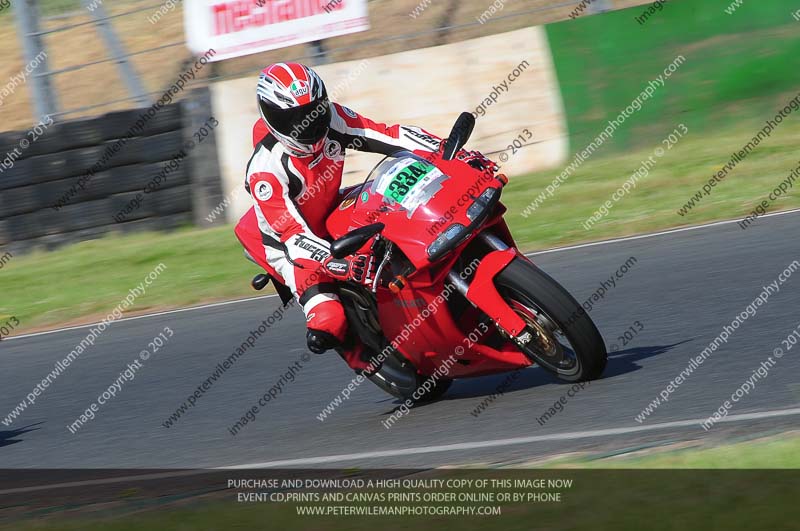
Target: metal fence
45, 100
438, 28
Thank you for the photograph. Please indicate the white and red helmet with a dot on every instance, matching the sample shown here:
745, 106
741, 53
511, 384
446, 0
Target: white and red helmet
294, 104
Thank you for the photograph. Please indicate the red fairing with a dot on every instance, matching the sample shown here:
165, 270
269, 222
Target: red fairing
418, 323
414, 234
417, 318
484, 295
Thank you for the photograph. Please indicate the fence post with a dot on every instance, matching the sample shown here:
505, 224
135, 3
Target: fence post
117, 51
42, 94
319, 54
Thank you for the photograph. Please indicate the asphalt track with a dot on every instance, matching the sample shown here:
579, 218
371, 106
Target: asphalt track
684, 287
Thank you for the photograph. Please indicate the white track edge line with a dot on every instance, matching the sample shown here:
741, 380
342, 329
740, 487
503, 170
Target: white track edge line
659, 233
411, 451
509, 442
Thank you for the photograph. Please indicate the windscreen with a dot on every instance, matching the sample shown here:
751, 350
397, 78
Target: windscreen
407, 180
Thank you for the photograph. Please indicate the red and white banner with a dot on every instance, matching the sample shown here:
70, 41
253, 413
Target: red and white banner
240, 27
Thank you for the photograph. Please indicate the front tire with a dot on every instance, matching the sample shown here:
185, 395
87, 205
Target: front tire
554, 317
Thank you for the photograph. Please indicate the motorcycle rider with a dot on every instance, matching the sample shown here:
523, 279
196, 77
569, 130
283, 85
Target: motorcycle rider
294, 176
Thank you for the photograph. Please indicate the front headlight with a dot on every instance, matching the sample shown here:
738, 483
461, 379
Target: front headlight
450, 234
480, 204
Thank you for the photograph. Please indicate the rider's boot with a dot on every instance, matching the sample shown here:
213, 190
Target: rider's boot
351, 350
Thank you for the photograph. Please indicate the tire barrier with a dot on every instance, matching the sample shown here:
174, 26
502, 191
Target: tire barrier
52, 171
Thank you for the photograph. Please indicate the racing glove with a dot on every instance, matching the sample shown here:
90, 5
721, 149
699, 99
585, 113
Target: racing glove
359, 268
477, 160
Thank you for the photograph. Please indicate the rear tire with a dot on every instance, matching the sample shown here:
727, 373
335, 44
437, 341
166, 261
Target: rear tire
525, 286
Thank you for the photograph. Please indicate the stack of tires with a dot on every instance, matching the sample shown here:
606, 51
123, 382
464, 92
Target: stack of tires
42, 174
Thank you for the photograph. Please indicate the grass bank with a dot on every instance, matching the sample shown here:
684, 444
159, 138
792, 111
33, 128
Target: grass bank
736, 66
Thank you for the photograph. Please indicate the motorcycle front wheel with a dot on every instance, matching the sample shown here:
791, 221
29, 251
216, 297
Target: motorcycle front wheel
563, 339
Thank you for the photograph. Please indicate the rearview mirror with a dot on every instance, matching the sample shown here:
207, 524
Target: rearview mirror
459, 136
354, 240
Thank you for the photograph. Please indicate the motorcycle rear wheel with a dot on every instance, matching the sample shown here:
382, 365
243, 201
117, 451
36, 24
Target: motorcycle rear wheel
553, 317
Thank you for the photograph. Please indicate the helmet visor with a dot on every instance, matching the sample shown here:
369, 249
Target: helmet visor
307, 124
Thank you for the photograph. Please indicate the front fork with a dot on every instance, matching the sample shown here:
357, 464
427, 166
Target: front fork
483, 294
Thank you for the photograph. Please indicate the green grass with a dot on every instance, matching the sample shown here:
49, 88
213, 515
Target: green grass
654, 203
736, 66
611, 499
773, 453
91, 278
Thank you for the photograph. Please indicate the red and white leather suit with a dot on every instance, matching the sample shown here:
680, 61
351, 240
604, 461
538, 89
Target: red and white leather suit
293, 197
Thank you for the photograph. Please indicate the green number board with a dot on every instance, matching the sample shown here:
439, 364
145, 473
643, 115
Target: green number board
405, 180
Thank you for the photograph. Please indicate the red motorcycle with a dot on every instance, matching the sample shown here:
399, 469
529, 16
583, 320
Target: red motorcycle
452, 295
